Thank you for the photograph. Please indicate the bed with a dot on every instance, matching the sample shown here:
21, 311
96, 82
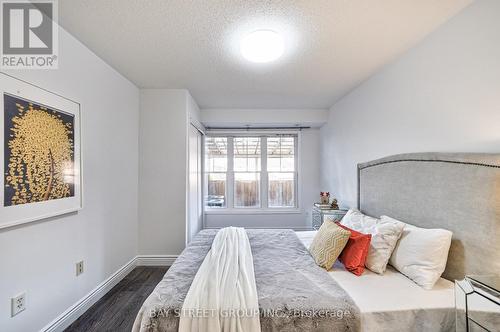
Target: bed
457, 192
392, 302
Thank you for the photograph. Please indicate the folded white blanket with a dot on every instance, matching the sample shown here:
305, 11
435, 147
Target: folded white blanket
223, 295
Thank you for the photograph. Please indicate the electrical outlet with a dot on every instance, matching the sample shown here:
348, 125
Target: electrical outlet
79, 268
18, 304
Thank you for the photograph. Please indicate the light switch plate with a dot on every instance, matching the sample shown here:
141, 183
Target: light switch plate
18, 304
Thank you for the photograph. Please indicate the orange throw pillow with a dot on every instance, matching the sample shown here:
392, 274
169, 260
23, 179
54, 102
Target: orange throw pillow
354, 254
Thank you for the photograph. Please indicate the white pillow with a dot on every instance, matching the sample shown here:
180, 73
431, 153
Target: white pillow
421, 253
385, 235
358, 221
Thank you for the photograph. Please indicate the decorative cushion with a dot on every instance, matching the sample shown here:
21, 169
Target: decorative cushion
354, 254
421, 253
328, 244
385, 235
360, 222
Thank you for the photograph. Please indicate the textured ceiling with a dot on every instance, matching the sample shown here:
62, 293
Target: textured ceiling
332, 45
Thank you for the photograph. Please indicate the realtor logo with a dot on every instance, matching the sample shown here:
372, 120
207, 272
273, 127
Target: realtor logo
29, 34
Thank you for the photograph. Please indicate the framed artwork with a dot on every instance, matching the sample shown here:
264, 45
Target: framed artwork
40, 153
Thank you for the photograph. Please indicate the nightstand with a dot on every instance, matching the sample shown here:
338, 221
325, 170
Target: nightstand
319, 215
477, 304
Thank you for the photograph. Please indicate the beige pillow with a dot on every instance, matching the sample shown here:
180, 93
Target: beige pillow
328, 244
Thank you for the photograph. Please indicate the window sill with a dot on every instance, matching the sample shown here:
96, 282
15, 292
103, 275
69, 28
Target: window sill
253, 211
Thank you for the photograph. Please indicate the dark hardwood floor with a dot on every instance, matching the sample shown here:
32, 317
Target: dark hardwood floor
116, 311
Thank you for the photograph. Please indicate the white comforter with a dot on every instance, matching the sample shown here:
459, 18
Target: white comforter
223, 295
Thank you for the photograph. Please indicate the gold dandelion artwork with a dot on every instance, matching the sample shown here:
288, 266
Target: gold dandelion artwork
38, 152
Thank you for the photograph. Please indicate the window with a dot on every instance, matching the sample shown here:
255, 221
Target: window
216, 171
281, 171
251, 172
246, 166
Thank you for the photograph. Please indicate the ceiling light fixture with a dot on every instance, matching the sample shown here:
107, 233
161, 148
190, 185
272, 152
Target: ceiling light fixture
262, 46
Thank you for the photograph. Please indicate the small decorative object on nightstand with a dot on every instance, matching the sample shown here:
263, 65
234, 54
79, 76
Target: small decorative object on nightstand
477, 303
324, 197
334, 205
322, 212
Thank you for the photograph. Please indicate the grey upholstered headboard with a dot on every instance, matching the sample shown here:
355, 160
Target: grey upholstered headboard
458, 192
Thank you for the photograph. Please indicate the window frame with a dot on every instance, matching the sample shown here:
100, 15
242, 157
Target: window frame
264, 179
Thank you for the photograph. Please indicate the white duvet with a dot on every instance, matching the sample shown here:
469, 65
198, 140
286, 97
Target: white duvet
223, 295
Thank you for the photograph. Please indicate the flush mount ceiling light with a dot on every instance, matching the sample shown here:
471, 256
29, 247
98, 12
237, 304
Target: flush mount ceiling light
262, 46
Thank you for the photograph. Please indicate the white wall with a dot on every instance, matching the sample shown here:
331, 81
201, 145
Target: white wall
163, 135
238, 117
309, 188
162, 171
309, 171
193, 110
443, 95
194, 191
40, 257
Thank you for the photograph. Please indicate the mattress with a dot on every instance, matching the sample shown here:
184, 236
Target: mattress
392, 302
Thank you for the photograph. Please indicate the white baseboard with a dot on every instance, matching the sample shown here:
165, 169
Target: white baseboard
156, 260
76, 310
